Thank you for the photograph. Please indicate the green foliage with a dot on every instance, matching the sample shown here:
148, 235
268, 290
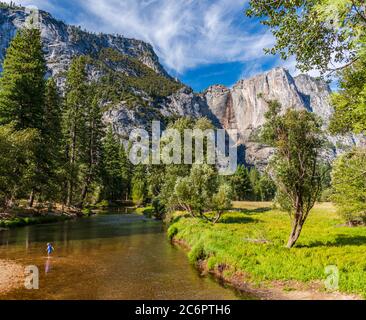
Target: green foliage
267, 188
172, 232
255, 178
197, 253
47, 179
114, 181
82, 133
17, 149
158, 208
222, 200
349, 186
23, 222
241, 183
316, 32
295, 166
22, 84
11, 5
74, 123
250, 184
139, 187
350, 101
194, 193
127, 79
252, 242
320, 34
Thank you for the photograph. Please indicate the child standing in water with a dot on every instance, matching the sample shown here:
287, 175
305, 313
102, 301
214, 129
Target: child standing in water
50, 249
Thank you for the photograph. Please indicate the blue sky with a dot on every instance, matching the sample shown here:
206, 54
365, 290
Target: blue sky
201, 42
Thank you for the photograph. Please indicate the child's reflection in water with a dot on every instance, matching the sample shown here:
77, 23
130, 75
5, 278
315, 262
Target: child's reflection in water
48, 266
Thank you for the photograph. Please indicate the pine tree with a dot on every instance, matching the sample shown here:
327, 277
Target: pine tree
50, 151
255, 177
22, 94
112, 173
52, 113
92, 158
139, 187
75, 122
22, 85
241, 183
126, 171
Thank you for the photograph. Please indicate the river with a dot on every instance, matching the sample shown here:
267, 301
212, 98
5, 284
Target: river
107, 257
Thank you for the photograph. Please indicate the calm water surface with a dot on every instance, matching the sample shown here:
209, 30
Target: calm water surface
107, 257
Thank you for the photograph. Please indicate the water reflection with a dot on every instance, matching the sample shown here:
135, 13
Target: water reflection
48, 265
107, 257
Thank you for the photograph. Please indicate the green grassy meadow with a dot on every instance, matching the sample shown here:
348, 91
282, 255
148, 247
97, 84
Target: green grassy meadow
252, 240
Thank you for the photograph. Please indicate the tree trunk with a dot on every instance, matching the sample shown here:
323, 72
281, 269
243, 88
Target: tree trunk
31, 199
70, 188
295, 234
217, 218
69, 193
84, 192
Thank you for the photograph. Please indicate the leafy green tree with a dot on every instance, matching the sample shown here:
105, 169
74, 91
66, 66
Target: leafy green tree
241, 183
349, 186
267, 188
222, 201
322, 34
350, 101
175, 171
319, 33
194, 193
297, 139
159, 208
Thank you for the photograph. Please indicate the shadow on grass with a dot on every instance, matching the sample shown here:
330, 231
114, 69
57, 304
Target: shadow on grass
340, 241
258, 210
180, 217
238, 219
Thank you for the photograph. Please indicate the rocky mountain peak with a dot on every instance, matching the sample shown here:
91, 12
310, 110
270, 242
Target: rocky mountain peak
62, 42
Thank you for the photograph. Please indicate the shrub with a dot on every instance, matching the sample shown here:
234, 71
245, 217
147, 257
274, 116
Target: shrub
197, 253
349, 186
172, 232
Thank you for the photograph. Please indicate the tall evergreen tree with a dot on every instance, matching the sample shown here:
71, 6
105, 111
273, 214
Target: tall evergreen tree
22, 84
75, 122
112, 173
50, 151
241, 183
22, 94
126, 171
92, 157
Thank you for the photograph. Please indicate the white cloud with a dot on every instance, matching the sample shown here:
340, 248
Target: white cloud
184, 33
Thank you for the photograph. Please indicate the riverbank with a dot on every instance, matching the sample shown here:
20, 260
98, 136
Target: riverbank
11, 276
246, 250
21, 217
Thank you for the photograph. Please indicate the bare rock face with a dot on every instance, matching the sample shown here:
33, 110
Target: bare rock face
244, 106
